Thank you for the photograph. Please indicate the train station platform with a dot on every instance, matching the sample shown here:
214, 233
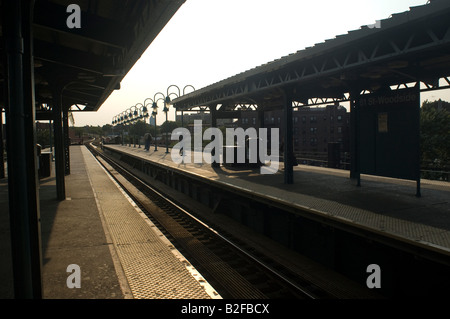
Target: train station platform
383, 204
120, 254
324, 215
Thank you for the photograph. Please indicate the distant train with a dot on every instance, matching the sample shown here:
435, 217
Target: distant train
112, 139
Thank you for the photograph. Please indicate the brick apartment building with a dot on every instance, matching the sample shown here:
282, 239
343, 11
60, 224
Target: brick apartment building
205, 117
314, 128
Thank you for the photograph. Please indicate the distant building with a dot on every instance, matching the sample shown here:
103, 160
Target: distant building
189, 118
42, 126
205, 117
313, 129
74, 137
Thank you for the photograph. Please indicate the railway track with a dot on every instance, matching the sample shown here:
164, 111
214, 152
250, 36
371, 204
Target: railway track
234, 269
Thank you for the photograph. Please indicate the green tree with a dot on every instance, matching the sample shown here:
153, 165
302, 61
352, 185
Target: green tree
138, 129
93, 130
79, 131
435, 134
169, 126
106, 129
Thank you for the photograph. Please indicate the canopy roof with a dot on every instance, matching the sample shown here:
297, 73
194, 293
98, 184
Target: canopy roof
413, 46
88, 63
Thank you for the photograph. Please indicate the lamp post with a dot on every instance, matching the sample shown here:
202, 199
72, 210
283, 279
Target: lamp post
142, 115
122, 122
166, 110
117, 121
130, 114
154, 113
147, 106
114, 122
133, 119
156, 106
177, 95
126, 121
166, 99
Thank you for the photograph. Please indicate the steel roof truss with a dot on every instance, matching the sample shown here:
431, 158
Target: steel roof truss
383, 48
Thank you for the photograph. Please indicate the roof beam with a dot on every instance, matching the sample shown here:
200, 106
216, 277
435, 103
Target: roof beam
369, 57
52, 16
76, 98
69, 57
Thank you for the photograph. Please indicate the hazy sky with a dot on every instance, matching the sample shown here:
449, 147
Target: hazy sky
210, 40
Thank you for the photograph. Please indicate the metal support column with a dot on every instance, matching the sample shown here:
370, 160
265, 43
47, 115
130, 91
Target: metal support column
260, 111
167, 126
213, 110
355, 168
59, 144
2, 160
66, 141
261, 124
288, 138
24, 206
418, 191
50, 129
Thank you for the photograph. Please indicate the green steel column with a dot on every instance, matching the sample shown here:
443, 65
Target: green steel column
355, 171
59, 144
288, 138
213, 109
2, 164
23, 182
66, 141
